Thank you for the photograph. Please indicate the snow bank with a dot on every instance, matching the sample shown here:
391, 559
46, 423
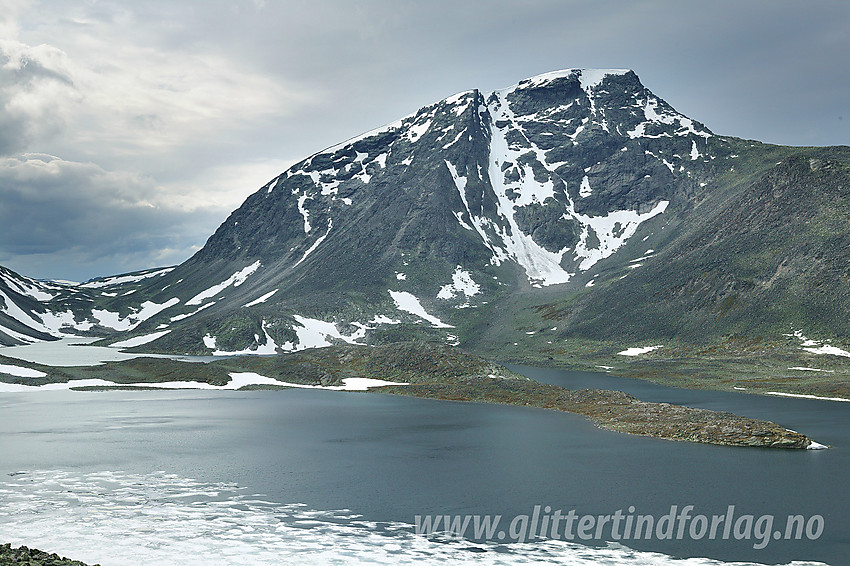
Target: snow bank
146, 310
19, 371
638, 351
803, 396
236, 280
407, 302
262, 299
266, 349
462, 282
237, 380
349, 384
139, 340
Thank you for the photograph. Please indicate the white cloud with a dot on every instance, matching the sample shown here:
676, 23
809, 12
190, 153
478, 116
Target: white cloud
9, 15
36, 93
117, 149
128, 99
224, 186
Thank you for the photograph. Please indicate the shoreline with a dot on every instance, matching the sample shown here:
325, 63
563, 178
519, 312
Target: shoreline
620, 412
430, 371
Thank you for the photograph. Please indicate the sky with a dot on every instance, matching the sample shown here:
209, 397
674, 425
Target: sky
130, 130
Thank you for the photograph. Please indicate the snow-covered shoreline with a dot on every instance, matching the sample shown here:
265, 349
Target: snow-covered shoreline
237, 381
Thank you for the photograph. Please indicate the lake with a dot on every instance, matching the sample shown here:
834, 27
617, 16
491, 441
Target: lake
306, 476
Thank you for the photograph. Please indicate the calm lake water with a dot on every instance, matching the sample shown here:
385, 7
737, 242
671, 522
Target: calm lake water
303, 476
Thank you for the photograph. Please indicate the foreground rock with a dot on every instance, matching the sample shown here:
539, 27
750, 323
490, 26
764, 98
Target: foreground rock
31, 557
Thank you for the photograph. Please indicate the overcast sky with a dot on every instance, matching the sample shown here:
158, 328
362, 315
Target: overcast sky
130, 130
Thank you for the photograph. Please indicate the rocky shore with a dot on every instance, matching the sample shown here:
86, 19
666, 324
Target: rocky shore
31, 557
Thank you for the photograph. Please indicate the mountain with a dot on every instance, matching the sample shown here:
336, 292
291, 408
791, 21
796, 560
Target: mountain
761, 255
431, 222
33, 310
575, 205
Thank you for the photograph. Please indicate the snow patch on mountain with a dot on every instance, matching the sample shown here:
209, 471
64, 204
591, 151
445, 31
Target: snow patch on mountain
460, 101
516, 185
121, 279
139, 340
314, 333
50, 323
416, 131
542, 267
301, 200
392, 126
818, 347
59, 321
612, 231
695, 154
262, 299
27, 287
461, 283
455, 140
315, 244
266, 348
146, 310
589, 78
407, 302
479, 223
652, 115
585, 190
636, 351
236, 280
180, 317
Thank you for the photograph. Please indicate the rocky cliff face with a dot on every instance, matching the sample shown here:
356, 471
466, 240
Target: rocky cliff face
551, 175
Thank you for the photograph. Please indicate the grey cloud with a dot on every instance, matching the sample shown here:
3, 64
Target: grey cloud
54, 210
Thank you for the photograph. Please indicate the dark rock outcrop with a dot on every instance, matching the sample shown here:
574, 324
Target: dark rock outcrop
23, 556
